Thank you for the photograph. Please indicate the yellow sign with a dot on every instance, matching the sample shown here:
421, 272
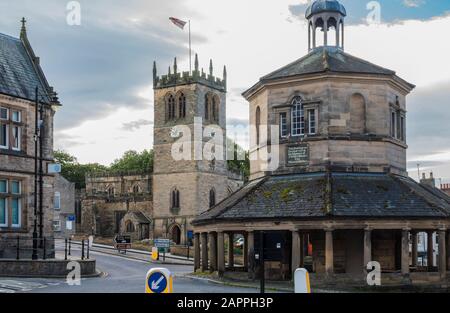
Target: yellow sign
159, 280
155, 254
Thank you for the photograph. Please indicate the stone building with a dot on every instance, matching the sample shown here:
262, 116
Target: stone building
117, 203
186, 187
20, 77
64, 207
341, 185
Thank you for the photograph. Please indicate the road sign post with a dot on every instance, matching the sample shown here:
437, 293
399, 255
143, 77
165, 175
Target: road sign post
155, 254
301, 281
159, 280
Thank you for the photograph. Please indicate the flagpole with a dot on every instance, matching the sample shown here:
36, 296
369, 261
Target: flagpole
190, 50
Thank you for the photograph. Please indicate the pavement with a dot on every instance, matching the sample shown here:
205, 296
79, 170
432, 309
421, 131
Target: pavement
120, 274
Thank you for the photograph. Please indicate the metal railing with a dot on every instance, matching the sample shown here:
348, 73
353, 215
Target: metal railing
33, 248
85, 249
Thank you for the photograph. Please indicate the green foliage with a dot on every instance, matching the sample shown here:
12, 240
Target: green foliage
239, 166
134, 161
75, 172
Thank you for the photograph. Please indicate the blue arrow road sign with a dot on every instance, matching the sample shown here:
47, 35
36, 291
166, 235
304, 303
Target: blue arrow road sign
157, 282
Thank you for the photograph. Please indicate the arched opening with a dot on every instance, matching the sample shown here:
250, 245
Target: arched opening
176, 235
215, 108
136, 189
175, 199
129, 227
333, 32
357, 114
257, 124
171, 107
319, 37
212, 198
181, 105
297, 118
206, 107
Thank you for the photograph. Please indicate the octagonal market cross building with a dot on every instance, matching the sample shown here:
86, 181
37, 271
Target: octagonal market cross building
340, 196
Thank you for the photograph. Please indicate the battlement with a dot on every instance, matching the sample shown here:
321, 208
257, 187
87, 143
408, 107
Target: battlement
184, 78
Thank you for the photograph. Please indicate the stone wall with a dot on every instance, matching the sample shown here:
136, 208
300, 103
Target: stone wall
44, 268
19, 166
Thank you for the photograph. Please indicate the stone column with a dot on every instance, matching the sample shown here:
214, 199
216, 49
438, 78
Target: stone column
329, 259
414, 254
309, 36
337, 35
295, 251
230, 250
442, 253
342, 35
204, 243
367, 248
245, 251
196, 251
250, 253
430, 250
314, 35
212, 251
220, 253
302, 250
325, 33
405, 252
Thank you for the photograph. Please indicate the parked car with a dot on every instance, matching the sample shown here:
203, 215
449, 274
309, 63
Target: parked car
239, 243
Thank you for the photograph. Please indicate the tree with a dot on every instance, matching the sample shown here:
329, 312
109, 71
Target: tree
73, 171
134, 161
236, 165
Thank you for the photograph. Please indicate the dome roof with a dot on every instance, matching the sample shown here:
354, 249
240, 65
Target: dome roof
320, 6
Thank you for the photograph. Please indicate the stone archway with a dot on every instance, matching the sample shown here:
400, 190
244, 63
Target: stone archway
175, 234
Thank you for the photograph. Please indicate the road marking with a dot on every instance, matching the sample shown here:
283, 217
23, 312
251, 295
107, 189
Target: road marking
11, 286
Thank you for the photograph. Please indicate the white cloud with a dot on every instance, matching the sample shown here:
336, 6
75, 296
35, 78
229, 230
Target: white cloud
413, 3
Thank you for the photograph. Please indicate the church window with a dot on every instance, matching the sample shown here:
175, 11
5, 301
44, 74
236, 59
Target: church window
298, 118
393, 124
206, 107
283, 125
136, 189
182, 106
215, 108
212, 198
175, 199
171, 107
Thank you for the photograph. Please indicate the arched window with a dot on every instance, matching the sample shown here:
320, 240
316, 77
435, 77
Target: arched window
175, 199
181, 105
212, 198
297, 118
257, 124
206, 107
357, 114
129, 227
215, 108
136, 189
171, 107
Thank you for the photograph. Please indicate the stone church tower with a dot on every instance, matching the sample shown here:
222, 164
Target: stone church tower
182, 189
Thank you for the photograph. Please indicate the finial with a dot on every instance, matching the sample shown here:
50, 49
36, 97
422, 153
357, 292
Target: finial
23, 30
170, 72
196, 62
155, 73
225, 76
210, 67
175, 67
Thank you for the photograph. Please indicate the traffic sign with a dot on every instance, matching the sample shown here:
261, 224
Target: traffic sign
301, 281
54, 168
162, 243
159, 280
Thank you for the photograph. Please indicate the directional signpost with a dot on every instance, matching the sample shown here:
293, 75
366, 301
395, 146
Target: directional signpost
159, 280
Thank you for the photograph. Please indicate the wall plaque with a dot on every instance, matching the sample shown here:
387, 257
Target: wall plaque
298, 154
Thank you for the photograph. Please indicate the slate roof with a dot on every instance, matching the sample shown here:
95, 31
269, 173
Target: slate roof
141, 218
325, 59
18, 74
322, 195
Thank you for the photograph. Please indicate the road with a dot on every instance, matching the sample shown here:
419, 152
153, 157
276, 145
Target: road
122, 275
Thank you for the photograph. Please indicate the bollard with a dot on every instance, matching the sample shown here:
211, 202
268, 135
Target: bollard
70, 245
87, 256
82, 249
65, 249
18, 249
45, 249
188, 251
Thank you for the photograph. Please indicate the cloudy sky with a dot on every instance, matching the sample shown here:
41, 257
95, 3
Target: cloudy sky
102, 68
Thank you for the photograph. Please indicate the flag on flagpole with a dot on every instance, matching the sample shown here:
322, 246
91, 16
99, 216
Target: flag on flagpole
178, 22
